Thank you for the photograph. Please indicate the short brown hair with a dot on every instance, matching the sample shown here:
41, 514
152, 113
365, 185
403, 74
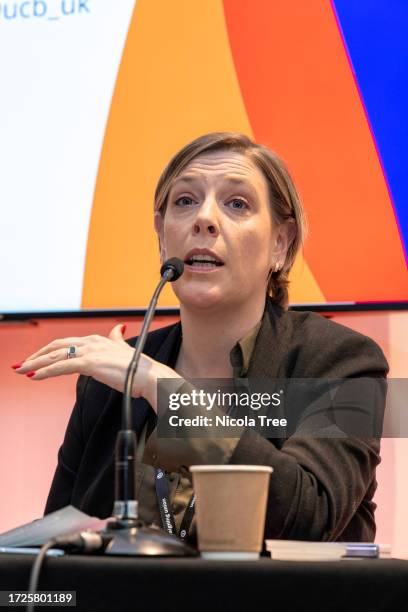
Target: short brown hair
285, 201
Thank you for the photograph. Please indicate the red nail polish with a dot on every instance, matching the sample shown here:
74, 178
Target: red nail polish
30, 374
123, 329
17, 365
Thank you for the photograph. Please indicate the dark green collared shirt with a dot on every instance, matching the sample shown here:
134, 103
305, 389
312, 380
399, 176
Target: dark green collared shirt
240, 357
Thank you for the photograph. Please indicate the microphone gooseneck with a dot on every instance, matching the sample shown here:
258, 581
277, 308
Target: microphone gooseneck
129, 536
125, 506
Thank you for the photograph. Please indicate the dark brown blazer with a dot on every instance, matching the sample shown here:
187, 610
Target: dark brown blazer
321, 488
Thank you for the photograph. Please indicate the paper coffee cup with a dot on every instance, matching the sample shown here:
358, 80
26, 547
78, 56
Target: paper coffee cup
230, 508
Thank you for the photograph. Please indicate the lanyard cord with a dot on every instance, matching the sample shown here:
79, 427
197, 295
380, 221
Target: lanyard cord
166, 512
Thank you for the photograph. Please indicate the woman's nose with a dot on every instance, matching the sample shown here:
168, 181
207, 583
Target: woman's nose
206, 220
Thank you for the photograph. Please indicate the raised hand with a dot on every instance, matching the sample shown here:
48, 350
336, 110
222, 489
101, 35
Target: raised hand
106, 359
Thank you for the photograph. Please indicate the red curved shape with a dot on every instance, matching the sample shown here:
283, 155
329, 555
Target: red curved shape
302, 100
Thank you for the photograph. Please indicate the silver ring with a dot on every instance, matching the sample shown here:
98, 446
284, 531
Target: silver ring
71, 352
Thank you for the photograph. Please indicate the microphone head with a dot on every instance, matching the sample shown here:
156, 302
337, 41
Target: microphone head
174, 264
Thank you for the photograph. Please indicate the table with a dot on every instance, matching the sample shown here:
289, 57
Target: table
133, 584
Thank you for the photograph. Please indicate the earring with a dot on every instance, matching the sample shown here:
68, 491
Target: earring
277, 267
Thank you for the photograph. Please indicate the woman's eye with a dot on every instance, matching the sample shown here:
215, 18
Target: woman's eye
238, 204
184, 201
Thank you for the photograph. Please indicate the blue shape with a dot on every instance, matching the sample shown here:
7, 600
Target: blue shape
375, 34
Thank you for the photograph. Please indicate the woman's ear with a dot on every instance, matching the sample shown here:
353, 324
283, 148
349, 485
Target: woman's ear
159, 228
285, 235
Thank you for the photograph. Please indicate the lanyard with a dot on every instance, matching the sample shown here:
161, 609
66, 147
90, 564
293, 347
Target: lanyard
163, 497
166, 513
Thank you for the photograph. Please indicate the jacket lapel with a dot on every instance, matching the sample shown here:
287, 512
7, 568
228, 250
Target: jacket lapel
271, 344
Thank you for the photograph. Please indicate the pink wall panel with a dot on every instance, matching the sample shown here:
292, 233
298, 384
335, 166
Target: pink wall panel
33, 417
391, 333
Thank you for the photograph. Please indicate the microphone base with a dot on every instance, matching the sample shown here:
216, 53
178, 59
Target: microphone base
130, 537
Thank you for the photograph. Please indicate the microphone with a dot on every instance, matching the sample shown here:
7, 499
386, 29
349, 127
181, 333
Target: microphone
175, 265
125, 506
129, 536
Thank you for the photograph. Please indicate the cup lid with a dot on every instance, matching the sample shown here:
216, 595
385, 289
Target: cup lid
231, 468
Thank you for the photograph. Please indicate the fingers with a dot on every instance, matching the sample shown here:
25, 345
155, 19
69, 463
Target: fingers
58, 344
69, 366
51, 360
115, 334
42, 361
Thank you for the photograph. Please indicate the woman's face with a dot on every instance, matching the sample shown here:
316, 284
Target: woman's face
218, 207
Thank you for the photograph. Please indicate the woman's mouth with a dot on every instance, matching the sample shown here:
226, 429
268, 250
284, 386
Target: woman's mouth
203, 263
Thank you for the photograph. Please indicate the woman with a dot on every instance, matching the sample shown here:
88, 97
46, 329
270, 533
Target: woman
228, 208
